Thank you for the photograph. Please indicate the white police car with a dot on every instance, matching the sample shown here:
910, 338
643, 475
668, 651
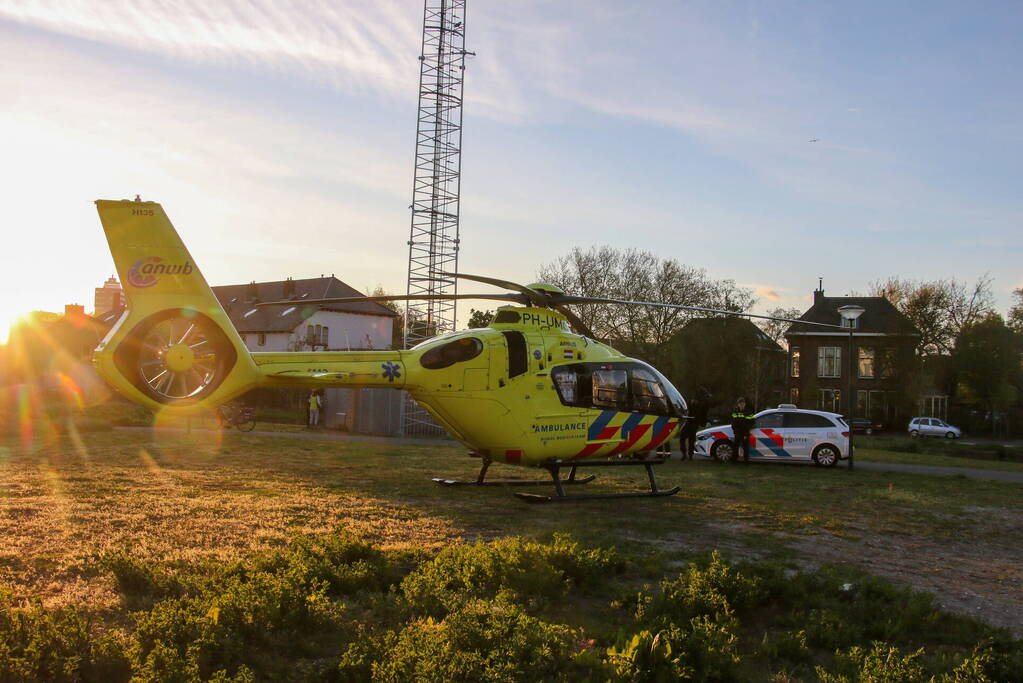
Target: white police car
785, 433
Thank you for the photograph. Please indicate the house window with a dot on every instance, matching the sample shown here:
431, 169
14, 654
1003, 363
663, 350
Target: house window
831, 400
888, 359
795, 361
866, 362
324, 337
877, 407
829, 361
862, 402
262, 339
794, 396
847, 323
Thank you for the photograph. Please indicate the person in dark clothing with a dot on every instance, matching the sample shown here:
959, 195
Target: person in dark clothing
742, 424
698, 408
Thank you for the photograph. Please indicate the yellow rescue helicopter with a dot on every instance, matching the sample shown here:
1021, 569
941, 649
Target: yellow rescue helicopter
525, 391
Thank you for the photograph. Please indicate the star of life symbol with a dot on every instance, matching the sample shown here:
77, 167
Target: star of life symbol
392, 371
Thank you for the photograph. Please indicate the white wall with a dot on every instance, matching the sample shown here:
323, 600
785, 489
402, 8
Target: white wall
276, 341
345, 330
350, 330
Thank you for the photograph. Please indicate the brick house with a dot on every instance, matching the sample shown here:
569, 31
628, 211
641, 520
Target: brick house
884, 345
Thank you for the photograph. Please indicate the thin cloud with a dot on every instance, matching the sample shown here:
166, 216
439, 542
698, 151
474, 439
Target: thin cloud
361, 47
765, 291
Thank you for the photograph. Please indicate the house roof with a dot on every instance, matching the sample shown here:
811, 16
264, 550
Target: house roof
732, 326
238, 301
879, 316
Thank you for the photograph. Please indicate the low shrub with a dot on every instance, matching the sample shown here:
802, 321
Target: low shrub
708, 587
138, 580
522, 570
705, 649
247, 621
839, 608
481, 641
345, 562
57, 646
882, 663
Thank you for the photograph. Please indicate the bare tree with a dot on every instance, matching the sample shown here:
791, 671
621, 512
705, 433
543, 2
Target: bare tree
636, 275
940, 309
776, 329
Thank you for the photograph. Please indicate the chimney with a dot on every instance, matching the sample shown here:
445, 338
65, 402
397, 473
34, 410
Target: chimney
251, 292
289, 288
818, 293
73, 311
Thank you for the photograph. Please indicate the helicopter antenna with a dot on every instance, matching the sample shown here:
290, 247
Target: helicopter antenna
433, 238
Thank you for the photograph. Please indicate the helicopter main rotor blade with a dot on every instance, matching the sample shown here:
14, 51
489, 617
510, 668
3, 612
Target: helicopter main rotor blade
580, 327
571, 299
534, 297
516, 298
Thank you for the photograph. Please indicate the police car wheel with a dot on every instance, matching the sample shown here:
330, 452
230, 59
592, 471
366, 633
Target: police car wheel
825, 456
722, 451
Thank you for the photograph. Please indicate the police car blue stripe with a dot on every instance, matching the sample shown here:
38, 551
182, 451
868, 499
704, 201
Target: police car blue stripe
774, 448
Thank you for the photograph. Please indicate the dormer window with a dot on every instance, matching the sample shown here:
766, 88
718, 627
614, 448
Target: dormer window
850, 324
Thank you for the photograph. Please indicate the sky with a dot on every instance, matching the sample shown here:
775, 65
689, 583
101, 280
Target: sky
279, 138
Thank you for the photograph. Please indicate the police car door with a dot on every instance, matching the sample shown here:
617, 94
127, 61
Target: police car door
798, 437
769, 436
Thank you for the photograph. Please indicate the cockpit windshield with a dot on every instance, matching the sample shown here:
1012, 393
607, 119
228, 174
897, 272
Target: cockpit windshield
632, 386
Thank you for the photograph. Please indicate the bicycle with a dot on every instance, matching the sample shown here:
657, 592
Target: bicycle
242, 418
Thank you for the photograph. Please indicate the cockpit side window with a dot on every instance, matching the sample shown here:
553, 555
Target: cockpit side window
647, 393
456, 351
518, 357
610, 388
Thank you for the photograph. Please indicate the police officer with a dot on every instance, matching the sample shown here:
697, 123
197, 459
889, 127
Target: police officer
742, 423
698, 409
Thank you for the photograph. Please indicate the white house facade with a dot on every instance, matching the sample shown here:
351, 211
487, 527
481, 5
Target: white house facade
293, 325
290, 324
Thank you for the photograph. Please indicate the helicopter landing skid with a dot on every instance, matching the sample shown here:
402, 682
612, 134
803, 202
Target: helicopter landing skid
562, 497
481, 480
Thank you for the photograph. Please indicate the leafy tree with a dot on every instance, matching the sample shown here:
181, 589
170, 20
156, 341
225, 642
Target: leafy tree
1015, 319
940, 309
479, 319
636, 275
987, 362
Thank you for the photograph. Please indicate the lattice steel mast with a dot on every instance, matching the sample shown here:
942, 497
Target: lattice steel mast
433, 239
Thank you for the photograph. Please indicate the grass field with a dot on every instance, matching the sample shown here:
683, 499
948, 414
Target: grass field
84, 514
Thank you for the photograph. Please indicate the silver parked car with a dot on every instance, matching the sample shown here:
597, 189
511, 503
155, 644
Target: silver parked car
932, 426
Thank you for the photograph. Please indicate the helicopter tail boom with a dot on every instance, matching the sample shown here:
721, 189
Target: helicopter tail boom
174, 348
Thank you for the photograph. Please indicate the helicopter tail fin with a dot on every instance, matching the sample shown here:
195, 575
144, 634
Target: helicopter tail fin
174, 347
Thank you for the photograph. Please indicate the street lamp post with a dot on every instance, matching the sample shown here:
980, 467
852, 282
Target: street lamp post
850, 313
